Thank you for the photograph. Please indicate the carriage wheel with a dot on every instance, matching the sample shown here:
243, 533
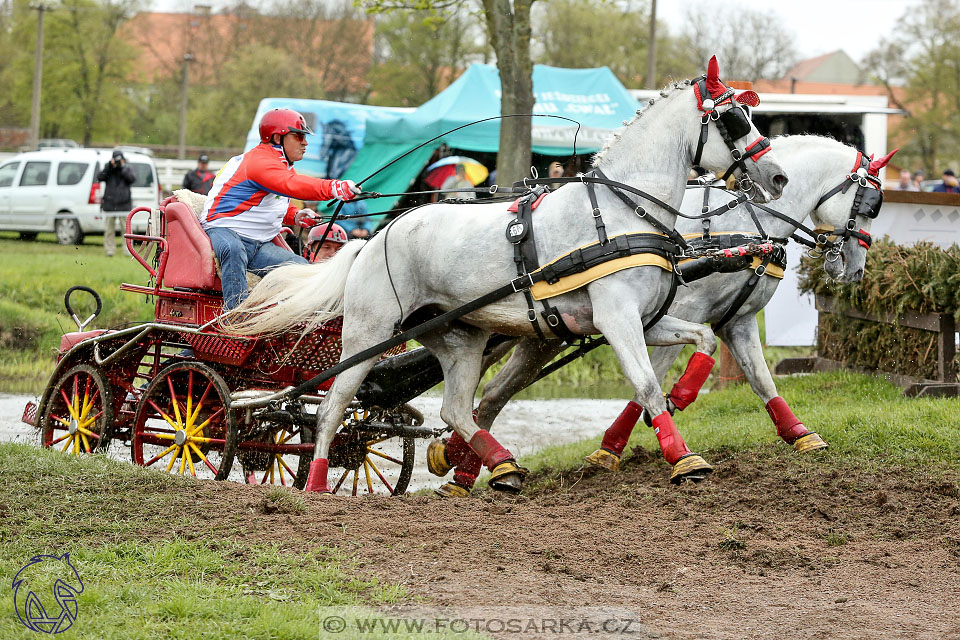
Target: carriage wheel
363, 461
184, 423
275, 468
79, 413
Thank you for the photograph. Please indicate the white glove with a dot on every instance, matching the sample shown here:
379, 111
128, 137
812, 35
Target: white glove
345, 189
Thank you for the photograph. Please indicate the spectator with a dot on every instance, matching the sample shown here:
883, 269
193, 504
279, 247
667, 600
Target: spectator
918, 178
555, 170
949, 184
352, 208
335, 240
360, 232
458, 181
117, 177
199, 180
906, 182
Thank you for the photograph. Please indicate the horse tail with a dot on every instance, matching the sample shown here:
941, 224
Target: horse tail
295, 294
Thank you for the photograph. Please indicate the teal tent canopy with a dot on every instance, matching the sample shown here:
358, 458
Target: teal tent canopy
592, 97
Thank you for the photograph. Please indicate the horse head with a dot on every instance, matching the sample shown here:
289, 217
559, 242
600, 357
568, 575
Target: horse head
727, 142
845, 217
36, 582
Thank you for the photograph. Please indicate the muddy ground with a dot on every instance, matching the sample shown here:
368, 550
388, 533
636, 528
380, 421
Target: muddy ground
770, 546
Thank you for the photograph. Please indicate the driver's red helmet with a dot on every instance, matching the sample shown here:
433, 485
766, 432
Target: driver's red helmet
337, 234
282, 121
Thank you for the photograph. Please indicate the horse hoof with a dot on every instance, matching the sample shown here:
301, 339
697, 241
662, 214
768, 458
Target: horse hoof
690, 467
604, 459
437, 462
452, 490
809, 442
507, 476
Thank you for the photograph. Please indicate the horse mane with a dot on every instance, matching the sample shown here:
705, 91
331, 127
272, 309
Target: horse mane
668, 91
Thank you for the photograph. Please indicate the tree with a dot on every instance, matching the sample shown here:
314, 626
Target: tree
417, 55
923, 56
749, 44
594, 33
508, 32
84, 69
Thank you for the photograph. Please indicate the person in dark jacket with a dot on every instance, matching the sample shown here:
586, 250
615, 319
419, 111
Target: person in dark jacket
200, 180
117, 177
949, 184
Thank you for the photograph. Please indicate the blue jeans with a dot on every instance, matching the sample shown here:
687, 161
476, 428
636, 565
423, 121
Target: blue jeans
237, 255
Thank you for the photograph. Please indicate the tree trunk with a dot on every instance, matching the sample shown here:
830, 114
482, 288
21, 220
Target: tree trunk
509, 31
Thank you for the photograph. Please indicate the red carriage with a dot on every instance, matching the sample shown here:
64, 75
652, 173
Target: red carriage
186, 397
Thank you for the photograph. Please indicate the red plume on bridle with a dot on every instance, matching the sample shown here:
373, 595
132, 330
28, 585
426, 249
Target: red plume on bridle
714, 85
875, 165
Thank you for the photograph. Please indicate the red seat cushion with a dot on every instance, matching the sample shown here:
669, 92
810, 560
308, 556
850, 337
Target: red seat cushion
70, 340
191, 261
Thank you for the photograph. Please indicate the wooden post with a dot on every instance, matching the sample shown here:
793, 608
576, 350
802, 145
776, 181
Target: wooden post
730, 371
946, 349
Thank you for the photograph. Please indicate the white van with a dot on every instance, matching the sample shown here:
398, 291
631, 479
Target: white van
57, 190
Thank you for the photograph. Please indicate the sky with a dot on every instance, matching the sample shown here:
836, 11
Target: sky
818, 26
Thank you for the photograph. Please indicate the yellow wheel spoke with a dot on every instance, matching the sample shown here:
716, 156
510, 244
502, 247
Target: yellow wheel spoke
69, 442
176, 426
189, 411
173, 460
384, 456
86, 443
200, 439
286, 466
366, 472
69, 402
197, 451
356, 477
193, 471
173, 398
60, 439
270, 472
163, 436
183, 460
90, 420
161, 455
378, 441
340, 481
65, 423
85, 407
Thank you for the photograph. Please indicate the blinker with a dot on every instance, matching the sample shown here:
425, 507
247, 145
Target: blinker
870, 203
736, 122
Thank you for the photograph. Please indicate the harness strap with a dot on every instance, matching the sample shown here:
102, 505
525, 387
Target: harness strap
595, 210
705, 223
639, 210
744, 293
520, 233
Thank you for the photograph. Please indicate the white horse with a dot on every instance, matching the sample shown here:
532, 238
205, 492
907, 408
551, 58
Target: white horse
816, 165
439, 257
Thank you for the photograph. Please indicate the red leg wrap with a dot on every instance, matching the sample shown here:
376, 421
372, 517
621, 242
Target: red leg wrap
671, 444
467, 470
317, 480
490, 451
616, 436
789, 426
689, 384
457, 449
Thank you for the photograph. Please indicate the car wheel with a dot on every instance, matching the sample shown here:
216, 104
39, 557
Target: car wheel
68, 231
28, 235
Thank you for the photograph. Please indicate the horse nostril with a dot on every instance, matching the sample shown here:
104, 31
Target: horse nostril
858, 275
780, 181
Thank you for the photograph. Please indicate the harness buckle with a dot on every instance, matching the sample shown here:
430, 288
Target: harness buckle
760, 270
736, 154
733, 204
596, 212
518, 285
640, 211
553, 320
531, 315
851, 224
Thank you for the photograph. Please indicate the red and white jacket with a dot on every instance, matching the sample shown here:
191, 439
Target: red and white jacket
252, 192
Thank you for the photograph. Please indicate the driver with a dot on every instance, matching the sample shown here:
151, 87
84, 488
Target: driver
250, 201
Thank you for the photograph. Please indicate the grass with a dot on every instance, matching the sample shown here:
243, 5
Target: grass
33, 279
864, 419
154, 564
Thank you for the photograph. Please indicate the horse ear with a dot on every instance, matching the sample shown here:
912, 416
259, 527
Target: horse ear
876, 165
714, 86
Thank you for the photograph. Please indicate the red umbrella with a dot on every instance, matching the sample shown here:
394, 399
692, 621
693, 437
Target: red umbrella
442, 169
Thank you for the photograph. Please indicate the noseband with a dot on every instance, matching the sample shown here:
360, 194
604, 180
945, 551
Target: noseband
866, 203
733, 124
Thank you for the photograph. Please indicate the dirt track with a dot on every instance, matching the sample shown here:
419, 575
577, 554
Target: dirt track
771, 546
